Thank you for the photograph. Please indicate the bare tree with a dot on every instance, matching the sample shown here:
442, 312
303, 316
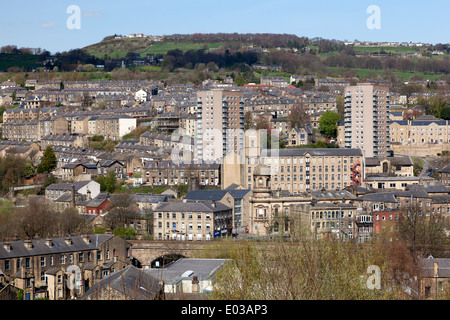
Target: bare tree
298, 116
421, 228
36, 218
122, 211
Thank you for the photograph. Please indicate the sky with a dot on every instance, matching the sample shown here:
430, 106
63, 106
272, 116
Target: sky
43, 23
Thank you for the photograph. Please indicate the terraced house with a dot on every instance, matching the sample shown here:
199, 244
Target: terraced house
41, 266
112, 127
424, 130
188, 221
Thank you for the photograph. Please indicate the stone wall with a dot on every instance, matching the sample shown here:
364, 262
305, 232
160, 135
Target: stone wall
420, 150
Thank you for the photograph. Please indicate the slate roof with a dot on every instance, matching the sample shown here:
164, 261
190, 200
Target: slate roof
428, 267
332, 194
131, 282
59, 246
149, 198
395, 161
378, 197
67, 186
192, 206
313, 152
215, 194
445, 169
204, 269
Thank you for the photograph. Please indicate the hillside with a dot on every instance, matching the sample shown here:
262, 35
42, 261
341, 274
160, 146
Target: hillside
118, 48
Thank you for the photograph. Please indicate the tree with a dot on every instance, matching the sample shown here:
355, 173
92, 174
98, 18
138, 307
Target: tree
340, 106
36, 218
409, 89
107, 183
121, 212
48, 162
328, 123
12, 170
445, 113
298, 116
435, 105
71, 222
307, 269
421, 229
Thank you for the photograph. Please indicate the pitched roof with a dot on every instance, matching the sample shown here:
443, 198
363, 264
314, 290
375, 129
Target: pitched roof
191, 206
131, 283
67, 186
313, 152
204, 269
40, 247
215, 194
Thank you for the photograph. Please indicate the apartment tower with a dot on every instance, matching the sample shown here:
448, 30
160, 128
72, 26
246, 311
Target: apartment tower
220, 123
366, 119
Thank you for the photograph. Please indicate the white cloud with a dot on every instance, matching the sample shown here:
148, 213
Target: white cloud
91, 14
47, 24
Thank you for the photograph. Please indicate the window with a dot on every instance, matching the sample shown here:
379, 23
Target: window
62, 259
42, 261
99, 255
7, 265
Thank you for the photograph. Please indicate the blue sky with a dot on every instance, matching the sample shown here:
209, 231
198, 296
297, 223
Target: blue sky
43, 23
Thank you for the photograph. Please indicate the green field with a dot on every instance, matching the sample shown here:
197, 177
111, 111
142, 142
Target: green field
394, 50
163, 48
118, 49
405, 76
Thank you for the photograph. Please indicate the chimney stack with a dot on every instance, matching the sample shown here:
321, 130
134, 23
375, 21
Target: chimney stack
7, 245
108, 231
195, 284
49, 242
436, 274
68, 240
86, 239
28, 244
72, 194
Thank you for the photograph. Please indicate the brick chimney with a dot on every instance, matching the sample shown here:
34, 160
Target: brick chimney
68, 239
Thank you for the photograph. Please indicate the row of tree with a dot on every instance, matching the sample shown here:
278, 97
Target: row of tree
305, 267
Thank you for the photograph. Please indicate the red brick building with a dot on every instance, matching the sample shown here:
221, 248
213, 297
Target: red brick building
385, 221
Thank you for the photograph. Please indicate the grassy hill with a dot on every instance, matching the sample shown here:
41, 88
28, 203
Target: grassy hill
118, 48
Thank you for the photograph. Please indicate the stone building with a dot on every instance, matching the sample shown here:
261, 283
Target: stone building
196, 220
41, 266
